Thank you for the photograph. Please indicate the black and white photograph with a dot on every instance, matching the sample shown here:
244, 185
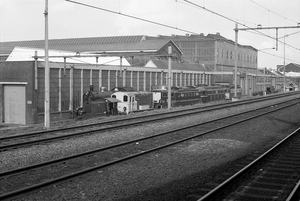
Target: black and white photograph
149, 100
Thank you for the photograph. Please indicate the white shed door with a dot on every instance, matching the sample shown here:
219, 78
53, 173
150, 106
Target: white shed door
14, 104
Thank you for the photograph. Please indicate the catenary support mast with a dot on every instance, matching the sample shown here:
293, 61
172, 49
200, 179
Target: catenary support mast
47, 72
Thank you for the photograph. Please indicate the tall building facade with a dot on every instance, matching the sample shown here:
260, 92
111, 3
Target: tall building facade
215, 52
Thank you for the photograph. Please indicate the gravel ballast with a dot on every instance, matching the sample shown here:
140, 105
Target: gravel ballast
164, 175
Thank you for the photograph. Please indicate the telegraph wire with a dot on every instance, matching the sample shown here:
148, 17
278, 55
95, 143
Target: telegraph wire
213, 12
223, 16
172, 27
292, 47
130, 16
236, 21
290, 34
187, 4
273, 11
227, 18
279, 56
165, 25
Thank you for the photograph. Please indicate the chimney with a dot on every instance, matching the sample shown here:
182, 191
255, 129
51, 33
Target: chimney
218, 34
201, 34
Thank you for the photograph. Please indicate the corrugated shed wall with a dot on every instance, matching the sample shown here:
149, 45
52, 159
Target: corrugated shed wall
65, 90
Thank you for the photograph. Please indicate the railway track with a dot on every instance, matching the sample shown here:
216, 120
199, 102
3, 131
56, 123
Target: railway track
274, 175
48, 136
27, 179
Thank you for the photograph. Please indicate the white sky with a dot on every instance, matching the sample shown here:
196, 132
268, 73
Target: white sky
24, 20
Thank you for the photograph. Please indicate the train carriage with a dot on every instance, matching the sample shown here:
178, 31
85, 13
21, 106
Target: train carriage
212, 93
194, 95
181, 97
158, 91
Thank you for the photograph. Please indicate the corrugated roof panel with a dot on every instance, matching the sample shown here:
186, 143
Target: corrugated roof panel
113, 43
71, 41
5, 46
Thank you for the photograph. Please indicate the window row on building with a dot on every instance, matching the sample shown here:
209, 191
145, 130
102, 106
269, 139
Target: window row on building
241, 57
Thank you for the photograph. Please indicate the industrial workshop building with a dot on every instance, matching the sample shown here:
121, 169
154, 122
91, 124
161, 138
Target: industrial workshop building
82, 64
215, 52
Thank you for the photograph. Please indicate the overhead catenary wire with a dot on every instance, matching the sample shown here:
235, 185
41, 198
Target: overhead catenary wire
290, 46
227, 18
130, 16
278, 56
168, 26
273, 11
290, 34
165, 25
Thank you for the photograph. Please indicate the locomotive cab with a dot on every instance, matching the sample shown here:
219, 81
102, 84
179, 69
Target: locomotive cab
99, 103
127, 102
133, 101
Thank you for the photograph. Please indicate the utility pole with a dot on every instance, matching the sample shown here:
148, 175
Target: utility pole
276, 28
47, 72
264, 90
235, 97
169, 75
284, 63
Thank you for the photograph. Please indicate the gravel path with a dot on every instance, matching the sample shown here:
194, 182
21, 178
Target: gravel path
163, 175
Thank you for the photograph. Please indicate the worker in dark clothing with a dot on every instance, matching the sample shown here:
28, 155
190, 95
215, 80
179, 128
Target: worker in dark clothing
107, 109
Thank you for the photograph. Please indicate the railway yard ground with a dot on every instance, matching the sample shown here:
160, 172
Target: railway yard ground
170, 174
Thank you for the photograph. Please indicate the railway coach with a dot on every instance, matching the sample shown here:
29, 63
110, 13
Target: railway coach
190, 96
181, 97
157, 91
212, 93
